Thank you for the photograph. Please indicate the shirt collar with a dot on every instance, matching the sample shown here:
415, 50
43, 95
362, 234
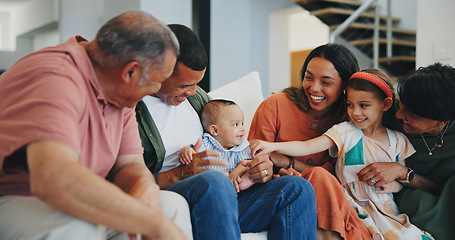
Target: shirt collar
244, 144
83, 62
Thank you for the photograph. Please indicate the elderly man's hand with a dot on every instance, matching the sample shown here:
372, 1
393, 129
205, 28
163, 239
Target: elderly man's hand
147, 193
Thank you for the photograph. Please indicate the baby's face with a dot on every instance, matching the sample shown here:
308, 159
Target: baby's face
230, 126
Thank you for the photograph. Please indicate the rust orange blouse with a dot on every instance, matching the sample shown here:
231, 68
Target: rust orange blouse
277, 119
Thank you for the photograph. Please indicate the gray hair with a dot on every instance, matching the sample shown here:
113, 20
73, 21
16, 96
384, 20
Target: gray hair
134, 36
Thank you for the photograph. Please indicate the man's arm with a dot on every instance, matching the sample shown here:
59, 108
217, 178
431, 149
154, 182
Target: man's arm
133, 177
58, 179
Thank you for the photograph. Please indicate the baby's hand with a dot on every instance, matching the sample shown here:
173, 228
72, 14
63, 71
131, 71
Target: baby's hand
186, 155
235, 179
259, 147
392, 187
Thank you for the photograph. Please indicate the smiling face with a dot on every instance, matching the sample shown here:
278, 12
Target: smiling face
180, 85
228, 129
413, 123
365, 109
322, 86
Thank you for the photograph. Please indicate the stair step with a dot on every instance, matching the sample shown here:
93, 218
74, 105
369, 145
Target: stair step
369, 41
326, 12
344, 2
388, 60
367, 26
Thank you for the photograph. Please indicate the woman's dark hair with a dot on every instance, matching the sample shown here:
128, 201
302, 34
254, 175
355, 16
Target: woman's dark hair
367, 86
344, 62
429, 92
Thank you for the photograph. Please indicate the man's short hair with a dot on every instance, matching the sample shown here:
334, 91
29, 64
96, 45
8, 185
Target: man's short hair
192, 52
133, 36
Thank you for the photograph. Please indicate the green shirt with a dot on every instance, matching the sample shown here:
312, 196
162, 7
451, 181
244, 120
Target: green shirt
432, 213
154, 150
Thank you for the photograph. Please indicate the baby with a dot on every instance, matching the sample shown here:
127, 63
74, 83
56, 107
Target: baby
224, 131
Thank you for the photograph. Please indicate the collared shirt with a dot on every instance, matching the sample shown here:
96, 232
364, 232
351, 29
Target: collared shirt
233, 156
54, 95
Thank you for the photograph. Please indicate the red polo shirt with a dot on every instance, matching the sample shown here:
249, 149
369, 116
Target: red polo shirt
54, 95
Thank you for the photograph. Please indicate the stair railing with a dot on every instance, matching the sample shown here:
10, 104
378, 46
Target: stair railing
335, 33
389, 28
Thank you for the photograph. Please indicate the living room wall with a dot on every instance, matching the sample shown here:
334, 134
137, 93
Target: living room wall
240, 30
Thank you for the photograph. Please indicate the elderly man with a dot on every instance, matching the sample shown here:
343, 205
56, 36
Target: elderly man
169, 121
67, 119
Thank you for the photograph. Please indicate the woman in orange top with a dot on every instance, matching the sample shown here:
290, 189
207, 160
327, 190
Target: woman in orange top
307, 112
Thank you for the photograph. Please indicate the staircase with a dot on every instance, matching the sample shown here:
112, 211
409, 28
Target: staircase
360, 34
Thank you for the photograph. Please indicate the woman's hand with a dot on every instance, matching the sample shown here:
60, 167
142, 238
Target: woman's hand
392, 187
380, 173
285, 172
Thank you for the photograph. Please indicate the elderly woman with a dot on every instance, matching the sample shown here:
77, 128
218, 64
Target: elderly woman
427, 109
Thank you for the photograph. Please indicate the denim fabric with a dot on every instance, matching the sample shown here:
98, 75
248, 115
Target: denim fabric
285, 207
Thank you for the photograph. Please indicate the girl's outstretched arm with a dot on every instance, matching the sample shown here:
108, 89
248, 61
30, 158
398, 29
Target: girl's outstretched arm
293, 148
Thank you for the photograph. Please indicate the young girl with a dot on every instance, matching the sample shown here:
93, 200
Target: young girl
361, 141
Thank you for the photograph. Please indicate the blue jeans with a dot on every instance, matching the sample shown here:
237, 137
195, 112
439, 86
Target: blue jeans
285, 207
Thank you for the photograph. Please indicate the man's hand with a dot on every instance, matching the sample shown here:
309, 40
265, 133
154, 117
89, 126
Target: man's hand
260, 168
199, 163
147, 193
131, 174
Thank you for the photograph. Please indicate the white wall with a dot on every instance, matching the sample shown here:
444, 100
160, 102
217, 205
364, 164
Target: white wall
80, 17
405, 9
241, 31
33, 15
47, 38
173, 11
112, 8
306, 31
293, 29
240, 39
435, 32
231, 41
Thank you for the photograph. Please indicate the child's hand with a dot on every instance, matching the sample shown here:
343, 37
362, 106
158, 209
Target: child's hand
392, 187
186, 155
259, 147
241, 182
235, 179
